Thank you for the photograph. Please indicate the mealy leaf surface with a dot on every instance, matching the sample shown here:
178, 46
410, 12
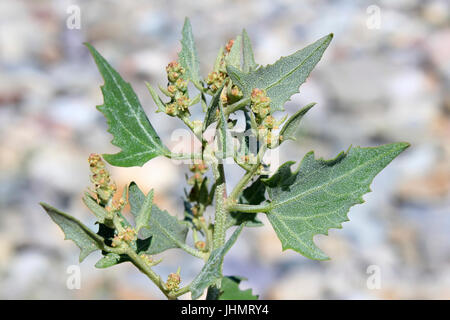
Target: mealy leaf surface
87, 240
283, 78
291, 126
248, 60
127, 121
165, 230
188, 57
318, 195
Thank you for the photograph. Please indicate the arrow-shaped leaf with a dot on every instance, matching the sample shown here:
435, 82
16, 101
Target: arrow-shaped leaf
87, 240
211, 271
318, 195
127, 122
282, 79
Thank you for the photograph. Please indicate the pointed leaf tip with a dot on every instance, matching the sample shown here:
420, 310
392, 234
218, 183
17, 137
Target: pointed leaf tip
282, 79
87, 240
127, 121
318, 195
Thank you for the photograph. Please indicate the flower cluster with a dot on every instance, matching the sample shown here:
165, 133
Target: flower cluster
260, 106
104, 188
200, 245
219, 76
127, 235
198, 169
173, 281
215, 80
177, 90
198, 182
230, 94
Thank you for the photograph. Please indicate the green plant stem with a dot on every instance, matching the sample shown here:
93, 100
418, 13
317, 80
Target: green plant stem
155, 278
192, 251
221, 213
248, 208
184, 156
144, 268
191, 126
247, 176
236, 106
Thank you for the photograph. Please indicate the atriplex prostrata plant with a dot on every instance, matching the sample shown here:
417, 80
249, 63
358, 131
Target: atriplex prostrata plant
299, 204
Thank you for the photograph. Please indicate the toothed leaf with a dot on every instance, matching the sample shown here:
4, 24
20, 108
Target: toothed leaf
87, 240
230, 290
282, 79
318, 195
130, 127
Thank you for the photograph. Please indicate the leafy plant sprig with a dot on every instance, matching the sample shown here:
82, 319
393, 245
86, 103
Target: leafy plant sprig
299, 203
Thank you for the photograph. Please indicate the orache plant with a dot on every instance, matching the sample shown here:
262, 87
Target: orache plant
299, 203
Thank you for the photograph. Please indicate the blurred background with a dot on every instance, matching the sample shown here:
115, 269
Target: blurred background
384, 78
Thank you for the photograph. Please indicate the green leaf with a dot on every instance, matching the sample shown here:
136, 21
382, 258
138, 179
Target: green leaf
248, 63
210, 116
95, 208
282, 79
188, 55
165, 230
135, 198
127, 122
143, 216
218, 61
225, 139
211, 271
156, 98
254, 195
108, 260
230, 290
318, 195
87, 240
233, 58
290, 128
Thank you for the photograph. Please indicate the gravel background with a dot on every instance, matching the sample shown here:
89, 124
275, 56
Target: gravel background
373, 86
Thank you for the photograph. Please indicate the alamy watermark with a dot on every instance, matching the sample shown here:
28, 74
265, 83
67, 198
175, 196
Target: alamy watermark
373, 21
73, 21
73, 281
374, 279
